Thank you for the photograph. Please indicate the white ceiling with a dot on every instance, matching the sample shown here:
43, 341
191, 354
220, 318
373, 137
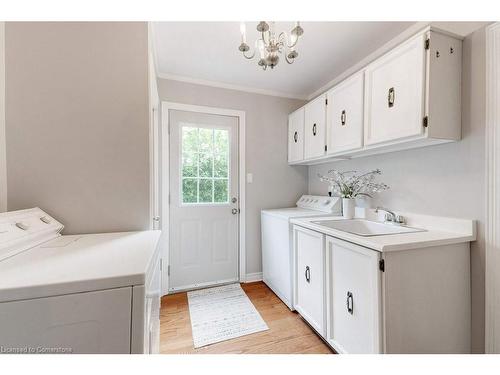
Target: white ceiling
208, 51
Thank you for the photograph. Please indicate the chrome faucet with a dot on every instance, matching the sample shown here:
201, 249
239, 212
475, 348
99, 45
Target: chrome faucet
391, 217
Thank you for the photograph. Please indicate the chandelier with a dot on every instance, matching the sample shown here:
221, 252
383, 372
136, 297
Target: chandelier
270, 46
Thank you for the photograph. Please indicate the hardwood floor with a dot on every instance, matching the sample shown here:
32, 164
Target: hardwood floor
287, 333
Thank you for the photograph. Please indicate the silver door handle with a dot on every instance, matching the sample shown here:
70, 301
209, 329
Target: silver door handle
234, 200
156, 218
235, 211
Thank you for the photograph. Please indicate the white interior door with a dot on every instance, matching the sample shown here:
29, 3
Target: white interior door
204, 202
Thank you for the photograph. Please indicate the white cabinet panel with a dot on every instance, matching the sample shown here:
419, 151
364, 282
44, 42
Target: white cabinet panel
394, 93
345, 115
296, 136
315, 128
92, 322
277, 256
309, 277
353, 298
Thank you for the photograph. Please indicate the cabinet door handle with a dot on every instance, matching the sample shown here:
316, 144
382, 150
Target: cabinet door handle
343, 118
295, 137
391, 97
350, 303
314, 129
308, 274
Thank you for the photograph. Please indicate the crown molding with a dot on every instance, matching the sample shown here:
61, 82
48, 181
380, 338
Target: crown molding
229, 86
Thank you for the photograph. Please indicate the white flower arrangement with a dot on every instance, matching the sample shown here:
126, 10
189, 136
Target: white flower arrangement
350, 184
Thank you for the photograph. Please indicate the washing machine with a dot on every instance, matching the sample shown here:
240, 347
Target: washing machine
277, 240
90, 293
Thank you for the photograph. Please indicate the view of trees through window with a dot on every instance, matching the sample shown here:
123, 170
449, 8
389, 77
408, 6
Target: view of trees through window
205, 165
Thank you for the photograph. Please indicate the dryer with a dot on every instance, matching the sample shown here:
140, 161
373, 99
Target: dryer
277, 243
91, 293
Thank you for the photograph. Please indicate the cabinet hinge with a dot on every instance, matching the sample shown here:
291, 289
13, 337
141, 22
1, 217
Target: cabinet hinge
161, 264
326, 101
426, 121
168, 270
381, 265
326, 148
427, 43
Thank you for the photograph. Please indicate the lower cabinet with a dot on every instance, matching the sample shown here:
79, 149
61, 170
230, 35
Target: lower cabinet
418, 302
309, 280
353, 298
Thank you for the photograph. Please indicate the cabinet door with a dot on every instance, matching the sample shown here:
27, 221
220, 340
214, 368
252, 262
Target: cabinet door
296, 136
345, 115
315, 128
82, 323
309, 277
394, 93
353, 298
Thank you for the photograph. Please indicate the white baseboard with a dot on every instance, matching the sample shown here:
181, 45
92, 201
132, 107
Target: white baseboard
252, 277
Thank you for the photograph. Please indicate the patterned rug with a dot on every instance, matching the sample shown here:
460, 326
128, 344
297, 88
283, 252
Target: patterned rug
222, 313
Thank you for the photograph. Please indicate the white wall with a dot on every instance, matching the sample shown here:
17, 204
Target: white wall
77, 122
3, 166
275, 184
445, 180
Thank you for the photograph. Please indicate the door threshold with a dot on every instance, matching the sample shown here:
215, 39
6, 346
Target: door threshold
186, 288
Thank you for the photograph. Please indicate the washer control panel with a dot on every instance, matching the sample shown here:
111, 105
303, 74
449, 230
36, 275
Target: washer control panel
321, 203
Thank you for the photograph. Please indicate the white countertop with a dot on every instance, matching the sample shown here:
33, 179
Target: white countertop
79, 263
439, 231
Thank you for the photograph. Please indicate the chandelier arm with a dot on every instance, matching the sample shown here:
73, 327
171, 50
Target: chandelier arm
249, 57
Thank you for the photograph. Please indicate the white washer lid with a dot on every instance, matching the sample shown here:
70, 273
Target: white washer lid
24, 229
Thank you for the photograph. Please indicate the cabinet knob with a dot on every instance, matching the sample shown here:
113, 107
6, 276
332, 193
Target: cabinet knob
391, 97
343, 118
308, 274
314, 129
350, 303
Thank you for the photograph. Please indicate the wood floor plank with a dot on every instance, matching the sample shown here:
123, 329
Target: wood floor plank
287, 334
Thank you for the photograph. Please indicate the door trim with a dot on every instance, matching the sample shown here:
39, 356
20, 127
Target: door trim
492, 228
3, 163
165, 183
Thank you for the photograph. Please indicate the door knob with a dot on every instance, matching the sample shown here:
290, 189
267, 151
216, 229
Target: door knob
234, 200
234, 211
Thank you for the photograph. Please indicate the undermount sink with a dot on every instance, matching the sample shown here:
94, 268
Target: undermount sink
366, 228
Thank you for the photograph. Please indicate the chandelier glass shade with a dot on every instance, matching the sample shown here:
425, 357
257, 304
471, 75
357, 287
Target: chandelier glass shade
271, 45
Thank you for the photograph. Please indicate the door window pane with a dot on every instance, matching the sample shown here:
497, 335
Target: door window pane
206, 190
220, 166
204, 165
220, 191
190, 165
189, 190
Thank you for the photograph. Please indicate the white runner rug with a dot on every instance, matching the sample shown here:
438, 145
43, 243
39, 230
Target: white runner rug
222, 313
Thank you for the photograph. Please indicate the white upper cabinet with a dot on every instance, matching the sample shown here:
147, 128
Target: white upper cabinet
395, 93
409, 97
315, 128
345, 115
296, 136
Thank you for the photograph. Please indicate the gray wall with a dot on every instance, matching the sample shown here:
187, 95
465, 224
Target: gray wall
445, 180
275, 184
77, 123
